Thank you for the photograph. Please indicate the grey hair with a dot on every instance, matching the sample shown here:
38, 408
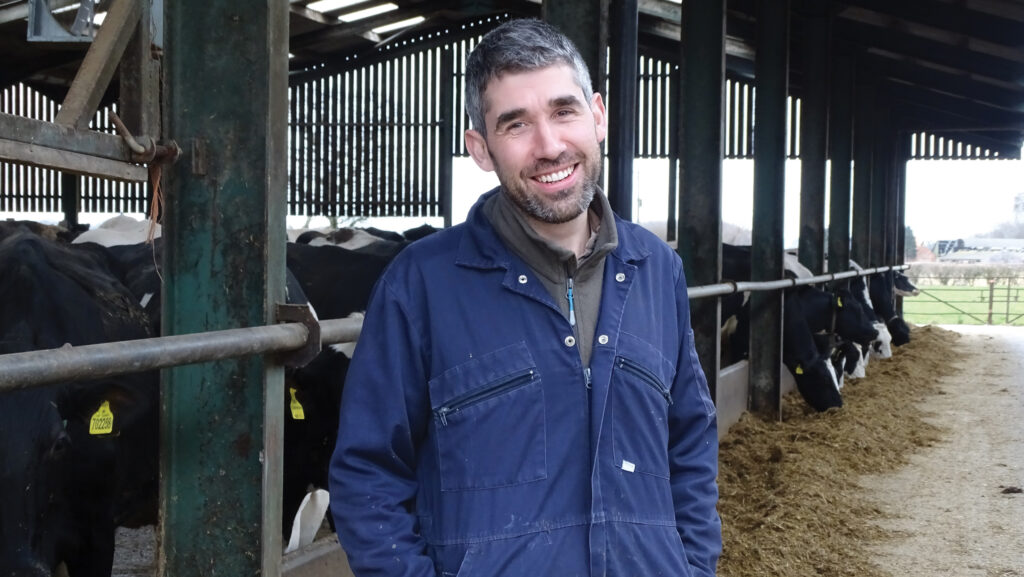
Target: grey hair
521, 45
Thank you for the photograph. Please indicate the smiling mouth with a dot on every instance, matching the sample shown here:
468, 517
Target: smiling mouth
556, 176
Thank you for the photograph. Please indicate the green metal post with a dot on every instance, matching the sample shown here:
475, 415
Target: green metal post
224, 239
840, 147
772, 72
813, 138
701, 142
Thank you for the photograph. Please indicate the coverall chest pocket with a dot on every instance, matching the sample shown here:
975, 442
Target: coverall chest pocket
489, 419
641, 398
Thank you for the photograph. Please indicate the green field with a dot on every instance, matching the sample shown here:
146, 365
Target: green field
962, 305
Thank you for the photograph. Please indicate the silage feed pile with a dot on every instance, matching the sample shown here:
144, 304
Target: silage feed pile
790, 500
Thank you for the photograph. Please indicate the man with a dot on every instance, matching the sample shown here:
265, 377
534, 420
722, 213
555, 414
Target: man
525, 399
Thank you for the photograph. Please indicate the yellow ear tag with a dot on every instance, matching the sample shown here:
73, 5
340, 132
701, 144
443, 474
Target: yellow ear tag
102, 421
839, 302
799, 370
297, 413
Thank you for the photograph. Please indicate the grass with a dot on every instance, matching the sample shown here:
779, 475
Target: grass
965, 305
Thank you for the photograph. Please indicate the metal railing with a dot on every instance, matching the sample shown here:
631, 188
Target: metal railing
986, 301
730, 287
68, 363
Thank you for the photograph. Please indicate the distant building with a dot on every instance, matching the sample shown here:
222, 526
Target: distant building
924, 254
980, 250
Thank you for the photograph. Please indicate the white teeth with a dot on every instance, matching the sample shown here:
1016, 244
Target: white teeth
555, 176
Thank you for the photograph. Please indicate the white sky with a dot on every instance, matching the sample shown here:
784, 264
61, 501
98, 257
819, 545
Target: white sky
946, 199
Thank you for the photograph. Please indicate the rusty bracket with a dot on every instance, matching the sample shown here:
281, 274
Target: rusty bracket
298, 313
144, 148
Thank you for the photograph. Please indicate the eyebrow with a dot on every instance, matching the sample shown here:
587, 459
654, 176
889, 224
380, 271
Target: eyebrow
557, 102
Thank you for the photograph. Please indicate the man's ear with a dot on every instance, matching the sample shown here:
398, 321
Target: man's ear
600, 116
476, 144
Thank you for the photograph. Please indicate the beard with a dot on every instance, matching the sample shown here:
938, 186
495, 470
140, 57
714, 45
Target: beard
567, 204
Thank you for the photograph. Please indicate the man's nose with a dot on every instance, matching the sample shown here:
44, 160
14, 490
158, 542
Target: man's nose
549, 143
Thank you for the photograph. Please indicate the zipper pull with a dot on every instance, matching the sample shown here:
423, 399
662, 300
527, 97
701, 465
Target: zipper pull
586, 376
443, 413
572, 307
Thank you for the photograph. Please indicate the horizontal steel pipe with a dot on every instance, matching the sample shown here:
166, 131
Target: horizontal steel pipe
730, 287
22, 370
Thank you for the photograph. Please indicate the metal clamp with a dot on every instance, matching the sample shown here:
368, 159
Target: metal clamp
298, 313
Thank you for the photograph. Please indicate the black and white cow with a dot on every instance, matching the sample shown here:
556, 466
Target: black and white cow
76, 459
883, 296
806, 311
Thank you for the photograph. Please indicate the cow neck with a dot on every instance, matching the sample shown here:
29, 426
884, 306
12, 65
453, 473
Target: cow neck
554, 264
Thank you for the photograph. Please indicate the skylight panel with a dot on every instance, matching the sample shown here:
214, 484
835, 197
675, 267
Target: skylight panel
329, 5
367, 13
398, 25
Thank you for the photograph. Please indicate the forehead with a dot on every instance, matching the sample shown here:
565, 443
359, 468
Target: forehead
530, 88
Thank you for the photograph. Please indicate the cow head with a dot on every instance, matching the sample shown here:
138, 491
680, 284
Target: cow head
903, 287
852, 321
811, 368
817, 382
883, 300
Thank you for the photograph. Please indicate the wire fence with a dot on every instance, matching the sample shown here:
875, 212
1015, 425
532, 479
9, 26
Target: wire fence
997, 300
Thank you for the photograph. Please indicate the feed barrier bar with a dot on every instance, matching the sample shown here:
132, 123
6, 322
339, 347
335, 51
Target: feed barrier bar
68, 363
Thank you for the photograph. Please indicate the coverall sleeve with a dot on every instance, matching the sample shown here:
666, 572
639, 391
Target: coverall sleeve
384, 414
693, 452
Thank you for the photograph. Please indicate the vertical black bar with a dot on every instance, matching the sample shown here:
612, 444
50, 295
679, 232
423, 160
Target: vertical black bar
445, 150
880, 184
374, 152
675, 107
70, 193
395, 114
417, 136
351, 139
293, 121
863, 157
407, 132
901, 202
730, 147
769, 194
748, 120
813, 137
308, 148
622, 89
841, 151
585, 22
702, 74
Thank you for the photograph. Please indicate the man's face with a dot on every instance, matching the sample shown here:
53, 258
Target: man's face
543, 141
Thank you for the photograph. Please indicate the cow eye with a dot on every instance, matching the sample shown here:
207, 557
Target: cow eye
60, 445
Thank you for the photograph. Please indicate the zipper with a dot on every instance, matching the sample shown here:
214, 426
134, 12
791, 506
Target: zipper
645, 376
586, 377
572, 306
461, 402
